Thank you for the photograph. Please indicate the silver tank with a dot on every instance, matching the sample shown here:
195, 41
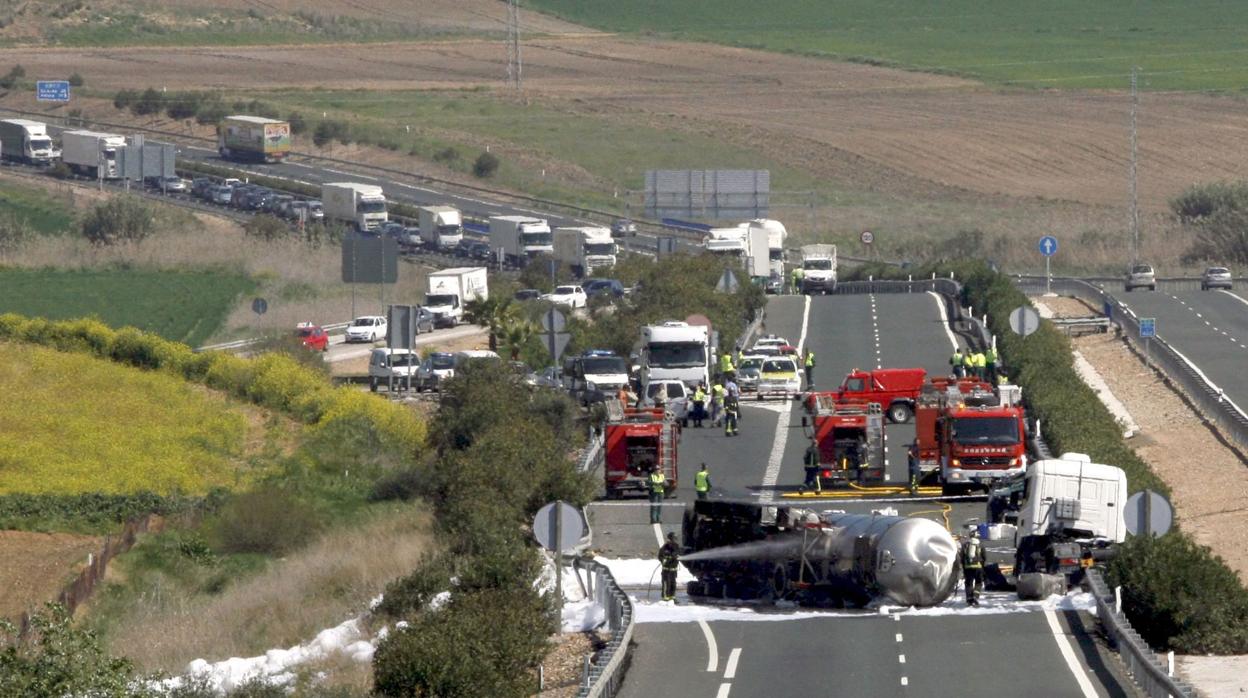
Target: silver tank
913, 560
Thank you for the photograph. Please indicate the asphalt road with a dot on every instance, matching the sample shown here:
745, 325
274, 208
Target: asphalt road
1210, 328
855, 654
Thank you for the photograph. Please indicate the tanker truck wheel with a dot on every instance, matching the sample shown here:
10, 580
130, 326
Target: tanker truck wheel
780, 580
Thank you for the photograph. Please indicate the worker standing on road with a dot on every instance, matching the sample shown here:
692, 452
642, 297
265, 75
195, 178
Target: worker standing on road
981, 365
798, 275
916, 473
990, 370
669, 558
973, 567
956, 362
717, 402
702, 482
731, 407
810, 369
968, 363
810, 462
699, 405
725, 365
658, 486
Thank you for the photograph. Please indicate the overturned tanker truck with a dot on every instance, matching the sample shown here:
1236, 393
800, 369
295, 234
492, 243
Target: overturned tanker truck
747, 550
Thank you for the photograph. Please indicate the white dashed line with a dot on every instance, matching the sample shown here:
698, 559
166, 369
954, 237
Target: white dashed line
899, 637
730, 670
901, 659
905, 681
724, 688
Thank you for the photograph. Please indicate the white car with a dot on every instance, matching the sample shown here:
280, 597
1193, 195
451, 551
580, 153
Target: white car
779, 376
368, 328
571, 296
771, 340
677, 395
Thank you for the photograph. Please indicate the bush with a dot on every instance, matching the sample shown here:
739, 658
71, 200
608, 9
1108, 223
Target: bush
404, 484
298, 124
267, 521
13, 78
330, 130
62, 660
267, 227
119, 219
446, 156
76, 79
211, 112
485, 165
149, 102
124, 98
184, 105
60, 170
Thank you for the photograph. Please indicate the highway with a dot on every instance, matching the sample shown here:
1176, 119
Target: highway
1210, 328
956, 652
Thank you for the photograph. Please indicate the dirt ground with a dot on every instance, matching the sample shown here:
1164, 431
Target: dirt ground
34, 567
564, 663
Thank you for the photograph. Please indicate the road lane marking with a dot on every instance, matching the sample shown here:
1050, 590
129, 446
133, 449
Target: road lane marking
724, 688
901, 659
658, 534
944, 318
899, 637
776, 457
1068, 653
712, 650
801, 341
730, 670
1236, 296
905, 681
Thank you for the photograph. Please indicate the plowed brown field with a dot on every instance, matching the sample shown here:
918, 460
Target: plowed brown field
34, 567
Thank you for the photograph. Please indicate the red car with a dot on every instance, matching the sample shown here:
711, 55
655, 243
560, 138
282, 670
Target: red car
313, 336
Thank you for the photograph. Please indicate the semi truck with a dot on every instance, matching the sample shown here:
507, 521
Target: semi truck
362, 206
449, 290
850, 436
92, 154
777, 234
585, 249
676, 351
728, 242
520, 237
253, 139
635, 441
441, 227
970, 438
818, 269
26, 141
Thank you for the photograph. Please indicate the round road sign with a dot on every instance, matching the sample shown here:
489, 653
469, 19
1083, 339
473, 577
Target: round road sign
867, 237
1148, 513
259, 306
1024, 320
564, 517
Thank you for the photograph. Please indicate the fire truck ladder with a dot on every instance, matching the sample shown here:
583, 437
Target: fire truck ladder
667, 455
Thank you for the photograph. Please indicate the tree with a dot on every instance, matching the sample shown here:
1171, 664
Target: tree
486, 165
298, 124
267, 227
150, 102
184, 105
329, 130
516, 336
76, 80
120, 219
124, 98
494, 314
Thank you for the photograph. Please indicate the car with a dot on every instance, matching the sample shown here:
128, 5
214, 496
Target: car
1141, 276
201, 185
393, 367
316, 210
677, 402
770, 340
749, 372
175, 185
277, 204
527, 294
1216, 277
238, 197
392, 229
779, 375
548, 378
435, 368
481, 251
766, 351
259, 200
774, 285
366, 328
571, 296
313, 336
221, 194
464, 248
603, 287
624, 227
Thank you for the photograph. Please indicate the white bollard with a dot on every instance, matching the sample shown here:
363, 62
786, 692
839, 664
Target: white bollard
1118, 599
1170, 663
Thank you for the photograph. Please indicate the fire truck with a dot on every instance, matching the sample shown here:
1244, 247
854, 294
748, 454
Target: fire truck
894, 388
968, 434
851, 439
636, 440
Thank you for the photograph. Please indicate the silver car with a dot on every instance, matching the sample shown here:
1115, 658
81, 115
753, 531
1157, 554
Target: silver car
1216, 277
1141, 276
749, 372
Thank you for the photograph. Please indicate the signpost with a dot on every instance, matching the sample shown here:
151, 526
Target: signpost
1024, 320
1147, 513
52, 90
559, 526
259, 306
1048, 248
867, 237
727, 282
1148, 330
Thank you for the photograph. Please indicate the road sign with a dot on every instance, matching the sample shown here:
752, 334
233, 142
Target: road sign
867, 237
1148, 513
1148, 327
1024, 320
1048, 245
52, 90
553, 321
727, 282
556, 342
559, 526
259, 306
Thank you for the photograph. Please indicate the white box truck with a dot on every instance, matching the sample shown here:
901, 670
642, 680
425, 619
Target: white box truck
448, 290
777, 234
818, 269
520, 237
586, 249
362, 206
92, 154
26, 141
441, 227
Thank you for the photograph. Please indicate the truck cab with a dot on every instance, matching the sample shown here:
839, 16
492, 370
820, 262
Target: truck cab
635, 441
893, 388
675, 351
850, 437
441, 227
594, 375
972, 437
727, 242
818, 269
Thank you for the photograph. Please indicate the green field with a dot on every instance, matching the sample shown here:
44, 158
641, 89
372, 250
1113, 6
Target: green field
1178, 44
44, 212
182, 306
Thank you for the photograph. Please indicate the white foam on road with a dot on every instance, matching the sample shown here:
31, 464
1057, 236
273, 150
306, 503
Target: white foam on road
640, 572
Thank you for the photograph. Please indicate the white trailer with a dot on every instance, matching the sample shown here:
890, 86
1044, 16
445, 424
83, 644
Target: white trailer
777, 234
441, 227
520, 237
362, 206
448, 290
758, 259
586, 249
92, 154
26, 141
818, 269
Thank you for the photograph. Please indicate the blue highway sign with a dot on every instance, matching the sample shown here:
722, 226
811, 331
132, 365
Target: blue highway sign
52, 90
1148, 327
1048, 245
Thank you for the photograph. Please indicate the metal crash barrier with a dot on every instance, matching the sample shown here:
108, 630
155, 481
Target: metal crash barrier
604, 671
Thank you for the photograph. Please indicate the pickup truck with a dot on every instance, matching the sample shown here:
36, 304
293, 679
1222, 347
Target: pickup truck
894, 389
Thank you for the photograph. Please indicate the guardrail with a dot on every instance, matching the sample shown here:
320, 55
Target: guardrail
593, 455
604, 672
244, 343
1142, 663
1208, 398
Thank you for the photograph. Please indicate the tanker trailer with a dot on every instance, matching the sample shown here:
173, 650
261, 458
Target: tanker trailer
746, 550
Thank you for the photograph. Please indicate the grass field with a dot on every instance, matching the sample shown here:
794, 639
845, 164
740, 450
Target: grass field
1185, 45
180, 305
43, 211
88, 425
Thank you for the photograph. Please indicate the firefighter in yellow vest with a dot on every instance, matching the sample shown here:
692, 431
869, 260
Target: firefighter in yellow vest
725, 364
702, 482
658, 486
981, 363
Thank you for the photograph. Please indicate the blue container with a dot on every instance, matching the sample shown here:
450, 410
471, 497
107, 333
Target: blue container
983, 531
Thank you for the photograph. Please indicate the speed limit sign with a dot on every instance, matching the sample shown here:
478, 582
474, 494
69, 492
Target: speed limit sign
867, 237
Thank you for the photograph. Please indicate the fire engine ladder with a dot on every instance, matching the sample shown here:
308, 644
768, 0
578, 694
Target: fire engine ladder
667, 452
875, 436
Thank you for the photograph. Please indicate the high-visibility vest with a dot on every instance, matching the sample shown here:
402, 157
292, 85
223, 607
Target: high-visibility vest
810, 359
991, 356
799, 273
980, 360
956, 359
699, 395
968, 360
970, 554
725, 363
658, 482
717, 393
702, 481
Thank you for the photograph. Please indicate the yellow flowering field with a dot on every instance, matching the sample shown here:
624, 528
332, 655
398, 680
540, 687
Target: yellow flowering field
71, 424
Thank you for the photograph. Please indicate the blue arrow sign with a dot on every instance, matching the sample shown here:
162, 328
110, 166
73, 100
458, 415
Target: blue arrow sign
52, 90
1148, 327
1048, 245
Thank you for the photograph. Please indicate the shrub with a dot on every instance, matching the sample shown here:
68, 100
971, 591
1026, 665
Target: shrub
446, 156
281, 383
60, 170
149, 102
354, 423
124, 98
76, 79
184, 105
485, 165
119, 219
298, 124
13, 78
62, 660
267, 227
330, 130
404, 484
268, 521
15, 232
211, 111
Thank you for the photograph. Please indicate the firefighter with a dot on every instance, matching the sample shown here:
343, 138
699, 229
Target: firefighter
669, 558
736, 357
810, 369
658, 486
981, 364
699, 405
956, 362
717, 402
731, 409
702, 482
810, 462
916, 474
990, 359
973, 566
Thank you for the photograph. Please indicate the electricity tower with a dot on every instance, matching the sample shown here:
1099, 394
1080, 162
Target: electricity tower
513, 43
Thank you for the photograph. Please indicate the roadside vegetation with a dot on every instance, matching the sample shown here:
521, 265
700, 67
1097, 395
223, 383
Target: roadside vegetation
1215, 218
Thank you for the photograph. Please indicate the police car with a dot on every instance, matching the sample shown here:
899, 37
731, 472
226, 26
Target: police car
779, 376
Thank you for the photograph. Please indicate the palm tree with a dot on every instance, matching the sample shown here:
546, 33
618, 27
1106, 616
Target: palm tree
516, 335
494, 314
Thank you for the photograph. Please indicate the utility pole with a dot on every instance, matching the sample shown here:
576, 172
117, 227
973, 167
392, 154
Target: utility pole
1135, 198
513, 43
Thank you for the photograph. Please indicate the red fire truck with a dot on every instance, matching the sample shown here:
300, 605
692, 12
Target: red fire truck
895, 389
851, 440
636, 440
968, 434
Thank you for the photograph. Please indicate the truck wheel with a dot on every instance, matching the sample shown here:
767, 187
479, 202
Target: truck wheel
899, 413
780, 580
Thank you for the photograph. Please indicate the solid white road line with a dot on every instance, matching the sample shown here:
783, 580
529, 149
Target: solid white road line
658, 534
1234, 295
944, 318
724, 688
1068, 653
712, 650
801, 341
730, 669
776, 457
